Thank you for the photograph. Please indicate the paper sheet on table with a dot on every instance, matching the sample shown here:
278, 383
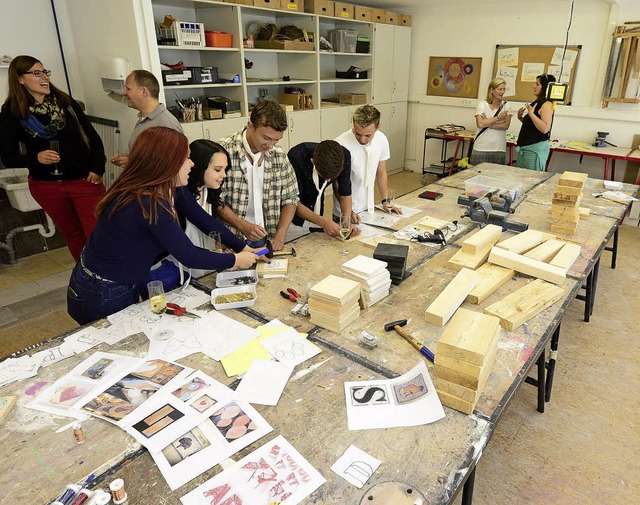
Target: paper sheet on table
228, 335
355, 466
380, 219
15, 369
263, 383
229, 427
179, 337
290, 347
408, 400
406, 211
618, 197
188, 297
82, 340
273, 473
238, 362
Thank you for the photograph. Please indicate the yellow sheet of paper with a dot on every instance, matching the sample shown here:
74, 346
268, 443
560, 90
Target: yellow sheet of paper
238, 362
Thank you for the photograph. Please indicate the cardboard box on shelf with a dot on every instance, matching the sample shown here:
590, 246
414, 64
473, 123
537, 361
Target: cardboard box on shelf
292, 5
241, 2
404, 19
344, 11
322, 7
362, 13
352, 98
378, 15
391, 18
290, 45
271, 4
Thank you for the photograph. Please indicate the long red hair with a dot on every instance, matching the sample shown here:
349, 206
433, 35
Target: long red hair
152, 171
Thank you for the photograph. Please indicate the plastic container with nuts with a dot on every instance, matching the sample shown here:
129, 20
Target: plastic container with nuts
233, 297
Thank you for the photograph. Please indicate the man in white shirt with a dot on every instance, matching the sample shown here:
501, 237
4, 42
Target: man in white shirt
369, 150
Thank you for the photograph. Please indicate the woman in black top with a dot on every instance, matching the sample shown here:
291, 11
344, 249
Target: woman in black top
45, 130
536, 118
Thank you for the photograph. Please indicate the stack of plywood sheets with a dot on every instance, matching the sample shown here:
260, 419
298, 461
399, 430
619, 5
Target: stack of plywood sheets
373, 276
464, 358
333, 303
565, 207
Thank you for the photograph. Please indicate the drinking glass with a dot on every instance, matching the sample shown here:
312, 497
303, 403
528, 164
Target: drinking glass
54, 145
345, 225
157, 298
391, 197
214, 244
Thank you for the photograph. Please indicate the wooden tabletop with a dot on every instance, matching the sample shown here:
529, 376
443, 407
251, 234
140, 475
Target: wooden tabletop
434, 459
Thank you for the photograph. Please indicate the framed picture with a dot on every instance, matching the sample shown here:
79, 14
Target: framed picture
454, 76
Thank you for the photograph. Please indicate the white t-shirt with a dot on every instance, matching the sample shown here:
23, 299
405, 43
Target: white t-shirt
491, 140
379, 151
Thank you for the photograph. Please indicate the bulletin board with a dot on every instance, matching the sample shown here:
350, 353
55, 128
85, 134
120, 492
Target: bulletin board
519, 65
455, 77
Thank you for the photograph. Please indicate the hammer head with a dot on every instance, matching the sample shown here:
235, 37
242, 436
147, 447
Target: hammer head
390, 326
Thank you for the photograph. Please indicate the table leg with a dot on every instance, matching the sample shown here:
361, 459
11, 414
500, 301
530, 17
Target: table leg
551, 366
546, 168
614, 248
424, 150
455, 156
613, 169
541, 381
606, 169
467, 489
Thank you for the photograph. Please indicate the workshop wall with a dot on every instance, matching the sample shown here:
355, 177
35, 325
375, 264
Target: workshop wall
461, 28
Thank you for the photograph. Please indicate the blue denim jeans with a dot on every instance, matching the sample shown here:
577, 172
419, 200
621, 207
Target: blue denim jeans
90, 297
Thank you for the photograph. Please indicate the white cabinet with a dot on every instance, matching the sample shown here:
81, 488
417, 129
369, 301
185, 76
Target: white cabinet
335, 121
303, 126
397, 135
217, 129
392, 48
193, 131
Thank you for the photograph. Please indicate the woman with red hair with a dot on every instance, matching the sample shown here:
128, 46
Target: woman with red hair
138, 221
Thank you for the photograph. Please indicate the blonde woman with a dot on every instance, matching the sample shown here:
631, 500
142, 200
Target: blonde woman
492, 120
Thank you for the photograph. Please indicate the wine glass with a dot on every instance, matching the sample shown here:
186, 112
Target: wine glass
54, 145
391, 196
345, 225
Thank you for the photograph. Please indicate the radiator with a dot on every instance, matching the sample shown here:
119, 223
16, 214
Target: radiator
110, 135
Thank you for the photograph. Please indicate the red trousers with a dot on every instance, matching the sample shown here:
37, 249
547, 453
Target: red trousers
71, 206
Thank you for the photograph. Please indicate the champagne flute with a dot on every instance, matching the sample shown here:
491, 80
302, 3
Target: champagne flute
345, 225
54, 145
391, 197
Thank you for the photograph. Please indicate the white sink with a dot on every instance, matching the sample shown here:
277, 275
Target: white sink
14, 182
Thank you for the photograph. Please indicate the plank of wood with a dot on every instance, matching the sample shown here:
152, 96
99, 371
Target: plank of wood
566, 256
471, 337
627, 73
462, 259
626, 45
525, 303
452, 401
488, 235
491, 278
567, 193
466, 393
573, 179
584, 212
546, 251
432, 223
528, 266
525, 241
451, 297
565, 203
277, 266
565, 212
6, 404
337, 289
567, 229
456, 377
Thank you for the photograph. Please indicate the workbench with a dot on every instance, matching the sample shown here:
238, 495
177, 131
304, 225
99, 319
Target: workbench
607, 154
436, 460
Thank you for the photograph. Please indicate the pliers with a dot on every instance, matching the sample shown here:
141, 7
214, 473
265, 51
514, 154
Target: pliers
175, 310
291, 295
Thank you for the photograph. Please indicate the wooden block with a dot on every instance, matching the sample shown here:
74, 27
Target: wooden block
456, 403
546, 251
277, 266
465, 393
447, 302
489, 235
564, 203
6, 404
460, 365
525, 241
573, 179
472, 261
470, 337
567, 229
566, 256
525, 303
337, 289
567, 193
432, 223
565, 212
491, 278
584, 212
529, 266
456, 377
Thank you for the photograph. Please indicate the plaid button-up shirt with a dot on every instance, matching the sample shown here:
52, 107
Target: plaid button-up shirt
280, 185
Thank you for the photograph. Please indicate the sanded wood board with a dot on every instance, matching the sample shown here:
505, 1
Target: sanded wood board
452, 296
566, 256
488, 235
565, 229
462, 259
6, 404
471, 337
567, 194
465, 393
491, 278
525, 241
337, 289
573, 179
546, 251
584, 212
565, 212
432, 223
276, 267
528, 266
452, 401
525, 303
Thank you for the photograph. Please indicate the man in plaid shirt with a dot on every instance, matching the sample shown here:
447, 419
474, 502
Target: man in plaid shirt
261, 190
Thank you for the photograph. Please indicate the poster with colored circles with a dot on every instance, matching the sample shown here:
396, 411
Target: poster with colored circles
455, 77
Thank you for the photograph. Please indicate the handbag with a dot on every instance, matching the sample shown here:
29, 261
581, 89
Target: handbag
495, 115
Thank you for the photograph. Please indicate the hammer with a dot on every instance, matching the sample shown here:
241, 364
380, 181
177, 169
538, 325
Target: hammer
397, 325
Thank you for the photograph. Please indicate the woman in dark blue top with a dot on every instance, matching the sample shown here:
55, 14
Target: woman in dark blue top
138, 221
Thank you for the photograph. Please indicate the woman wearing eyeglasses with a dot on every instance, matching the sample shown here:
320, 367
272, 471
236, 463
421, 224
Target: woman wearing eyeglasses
45, 130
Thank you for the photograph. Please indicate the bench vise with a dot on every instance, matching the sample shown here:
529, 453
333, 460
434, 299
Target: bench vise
481, 210
500, 201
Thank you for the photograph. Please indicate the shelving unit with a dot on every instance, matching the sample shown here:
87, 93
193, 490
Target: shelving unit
312, 70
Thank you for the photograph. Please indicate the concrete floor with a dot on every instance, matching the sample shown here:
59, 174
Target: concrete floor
582, 450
